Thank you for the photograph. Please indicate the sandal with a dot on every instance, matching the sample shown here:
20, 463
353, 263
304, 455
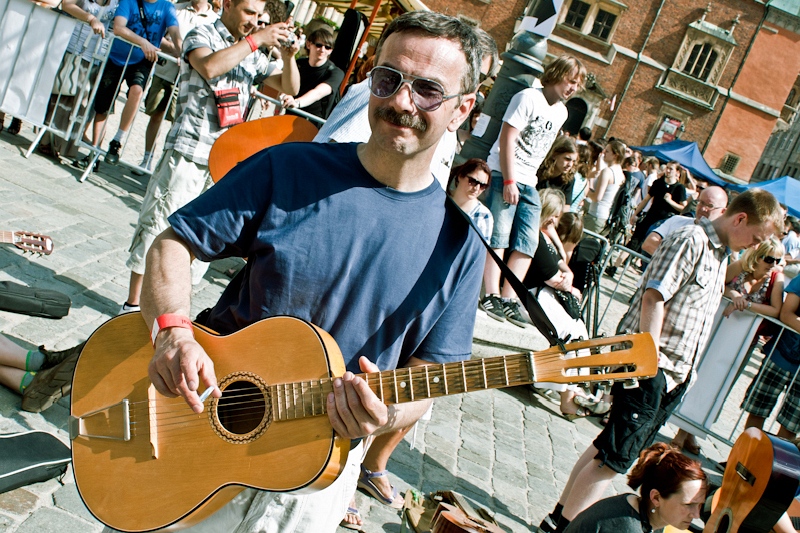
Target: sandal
15, 126
365, 483
580, 413
598, 408
352, 512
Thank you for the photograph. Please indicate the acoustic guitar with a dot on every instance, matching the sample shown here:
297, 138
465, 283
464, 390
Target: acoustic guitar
28, 242
758, 486
143, 461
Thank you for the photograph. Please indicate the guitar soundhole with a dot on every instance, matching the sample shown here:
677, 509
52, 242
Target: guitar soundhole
243, 413
241, 408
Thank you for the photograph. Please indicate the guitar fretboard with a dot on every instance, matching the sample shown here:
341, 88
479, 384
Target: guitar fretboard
308, 398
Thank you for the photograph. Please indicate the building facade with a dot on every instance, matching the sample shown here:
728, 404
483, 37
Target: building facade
781, 156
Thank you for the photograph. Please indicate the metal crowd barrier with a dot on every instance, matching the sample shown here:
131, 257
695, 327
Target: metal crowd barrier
590, 306
723, 376
33, 40
631, 256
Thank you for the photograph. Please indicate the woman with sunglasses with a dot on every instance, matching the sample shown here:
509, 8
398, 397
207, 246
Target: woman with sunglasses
754, 283
467, 182
320, 79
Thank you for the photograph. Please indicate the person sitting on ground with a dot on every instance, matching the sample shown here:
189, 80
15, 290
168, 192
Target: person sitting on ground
605, 188
672, 491
144, 24
320, 79
776, 375
755, 283
548, 276
557, 171
42, 376
467, 181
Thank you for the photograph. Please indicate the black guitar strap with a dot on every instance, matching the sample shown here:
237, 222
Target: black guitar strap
142, 16
538, 317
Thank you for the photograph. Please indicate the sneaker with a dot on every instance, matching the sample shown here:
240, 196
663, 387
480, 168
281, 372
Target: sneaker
54, 358
128, 308
493, 305
611, 271
548, 525
49, 386
145, 164
112, 156
511, 308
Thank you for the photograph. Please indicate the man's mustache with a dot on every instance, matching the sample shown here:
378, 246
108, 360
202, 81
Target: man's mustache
405, 120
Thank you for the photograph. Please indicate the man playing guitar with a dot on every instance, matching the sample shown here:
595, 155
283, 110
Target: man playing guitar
356, 238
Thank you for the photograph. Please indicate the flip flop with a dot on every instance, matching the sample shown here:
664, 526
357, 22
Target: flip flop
351, 511
580, 413
365, 483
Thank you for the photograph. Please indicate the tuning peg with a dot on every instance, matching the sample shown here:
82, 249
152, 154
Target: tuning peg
630, 383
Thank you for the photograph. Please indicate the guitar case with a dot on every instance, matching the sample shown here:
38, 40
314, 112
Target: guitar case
31, 301
31, 457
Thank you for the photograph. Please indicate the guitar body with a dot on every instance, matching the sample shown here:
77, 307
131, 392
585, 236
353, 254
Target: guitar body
758, 486
178, 463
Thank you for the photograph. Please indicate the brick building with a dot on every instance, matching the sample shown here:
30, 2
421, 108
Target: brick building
717, 74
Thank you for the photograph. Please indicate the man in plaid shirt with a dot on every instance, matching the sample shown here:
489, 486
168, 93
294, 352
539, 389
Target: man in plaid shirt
680, 292
222, 55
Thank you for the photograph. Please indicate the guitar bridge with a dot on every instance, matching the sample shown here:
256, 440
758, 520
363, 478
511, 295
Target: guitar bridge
109, 423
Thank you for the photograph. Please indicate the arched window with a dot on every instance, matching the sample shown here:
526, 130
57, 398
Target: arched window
700, 62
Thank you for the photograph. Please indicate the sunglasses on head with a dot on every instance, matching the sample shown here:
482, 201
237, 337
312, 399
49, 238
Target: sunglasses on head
475, 183
325, 46
771, 260
427, 94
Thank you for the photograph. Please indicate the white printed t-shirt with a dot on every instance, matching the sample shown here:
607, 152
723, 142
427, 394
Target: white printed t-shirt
538, 123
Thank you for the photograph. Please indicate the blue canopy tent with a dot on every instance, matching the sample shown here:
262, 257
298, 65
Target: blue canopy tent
785, 189
687, 154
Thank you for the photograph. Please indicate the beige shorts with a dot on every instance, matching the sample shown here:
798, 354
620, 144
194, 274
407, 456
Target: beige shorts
175, 182
159, 95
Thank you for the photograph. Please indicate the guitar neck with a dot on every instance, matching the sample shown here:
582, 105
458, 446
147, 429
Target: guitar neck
409, 384
631, 356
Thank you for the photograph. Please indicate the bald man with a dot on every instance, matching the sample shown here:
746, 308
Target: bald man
711, 204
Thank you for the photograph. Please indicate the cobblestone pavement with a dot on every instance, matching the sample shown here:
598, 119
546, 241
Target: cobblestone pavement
508, 450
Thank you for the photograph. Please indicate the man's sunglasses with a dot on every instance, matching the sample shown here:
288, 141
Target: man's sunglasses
772, 260
427, 94
325, 46
475, 183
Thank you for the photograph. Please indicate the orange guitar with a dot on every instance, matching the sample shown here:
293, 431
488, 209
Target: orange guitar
28, 242
758, 486
143, 461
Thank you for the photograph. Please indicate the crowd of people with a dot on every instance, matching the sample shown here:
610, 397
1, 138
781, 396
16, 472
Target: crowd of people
385, 159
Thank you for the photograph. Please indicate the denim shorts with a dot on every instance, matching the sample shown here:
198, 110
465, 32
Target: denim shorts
515, 226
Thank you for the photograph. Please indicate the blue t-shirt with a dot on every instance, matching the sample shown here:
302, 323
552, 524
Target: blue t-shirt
160, 15
787, 352
388, 274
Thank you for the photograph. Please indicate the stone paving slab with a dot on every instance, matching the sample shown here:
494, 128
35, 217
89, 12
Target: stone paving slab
508, 450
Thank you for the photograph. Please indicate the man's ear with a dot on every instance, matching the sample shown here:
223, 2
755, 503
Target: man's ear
461, 112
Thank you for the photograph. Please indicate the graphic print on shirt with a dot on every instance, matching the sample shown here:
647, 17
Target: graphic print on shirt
534, 142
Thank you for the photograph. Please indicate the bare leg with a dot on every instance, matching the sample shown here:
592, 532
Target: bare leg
12, 354
491, 274
135, 288
754, 421
99, 129
786, 434
587, 483
518, 263
131, 106
784, 525
680, 438
377, 458
11, 377
153, 126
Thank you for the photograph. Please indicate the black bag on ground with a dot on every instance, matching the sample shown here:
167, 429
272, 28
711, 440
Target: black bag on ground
31, 457
31, 301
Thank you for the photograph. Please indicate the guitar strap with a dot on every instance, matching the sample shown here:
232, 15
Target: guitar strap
537, 314
143, 17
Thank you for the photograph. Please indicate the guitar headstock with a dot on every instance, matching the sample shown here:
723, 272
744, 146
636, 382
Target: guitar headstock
33, 242
619, 358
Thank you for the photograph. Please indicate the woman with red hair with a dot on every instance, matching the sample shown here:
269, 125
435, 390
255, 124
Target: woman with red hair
672, 490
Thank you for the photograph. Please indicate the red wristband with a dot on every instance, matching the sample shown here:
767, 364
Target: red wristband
252, 43
508, 182
169, 321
